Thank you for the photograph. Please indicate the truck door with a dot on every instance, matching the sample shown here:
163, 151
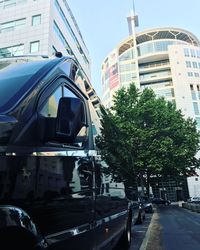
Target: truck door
64, 202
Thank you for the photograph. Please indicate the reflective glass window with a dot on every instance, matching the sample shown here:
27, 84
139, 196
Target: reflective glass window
51, 107
192, 53
186, 52
16, 50
127, 67
188, 64
155, 75
198, 91
194, 64
196, 108
198, 122
127, 55
34, 46
36, 20
10, 3
62, 38
152, 47
167, 92
194, 97
12, 25
157, 85
68, 26
127, 77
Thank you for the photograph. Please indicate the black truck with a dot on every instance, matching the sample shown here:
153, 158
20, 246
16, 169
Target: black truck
53, 190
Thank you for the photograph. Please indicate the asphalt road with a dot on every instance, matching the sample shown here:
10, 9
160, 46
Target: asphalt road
180, 228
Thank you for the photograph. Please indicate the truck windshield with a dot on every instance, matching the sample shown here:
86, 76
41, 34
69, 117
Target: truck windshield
15, 81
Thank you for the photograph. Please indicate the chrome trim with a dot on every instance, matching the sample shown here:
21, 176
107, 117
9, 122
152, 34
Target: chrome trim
52, 238
75, 153
110, 218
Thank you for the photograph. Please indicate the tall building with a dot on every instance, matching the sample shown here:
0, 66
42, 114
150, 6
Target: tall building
164, 59
44, 27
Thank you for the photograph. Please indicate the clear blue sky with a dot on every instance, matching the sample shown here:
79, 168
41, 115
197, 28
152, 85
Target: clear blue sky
103, 23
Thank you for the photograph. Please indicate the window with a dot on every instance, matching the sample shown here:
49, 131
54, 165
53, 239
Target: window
190, 74
192, 52
71, 32
127, 77
196, 108
12, 25
127, 55
194, 64
198, 91
10, 3
36, 20
34, 46
194, 97
186, 52
167, 92
188, 64
50, 109
198, 122
196, 74
16, 50
127, 67
62, 38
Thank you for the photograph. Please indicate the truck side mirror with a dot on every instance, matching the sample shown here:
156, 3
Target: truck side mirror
71, 118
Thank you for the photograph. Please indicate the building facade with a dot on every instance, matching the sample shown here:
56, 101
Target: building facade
42, 27
164, 59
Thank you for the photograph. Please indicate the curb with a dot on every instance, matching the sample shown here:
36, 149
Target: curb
147, 235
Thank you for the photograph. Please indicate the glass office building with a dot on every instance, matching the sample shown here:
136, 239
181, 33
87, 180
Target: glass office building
164, 59
42, 27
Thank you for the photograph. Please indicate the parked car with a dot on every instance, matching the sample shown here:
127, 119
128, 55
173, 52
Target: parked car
194, 200
147, 204
53, 190
160, 201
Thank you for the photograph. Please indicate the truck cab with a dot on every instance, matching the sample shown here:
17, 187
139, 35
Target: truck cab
53, 190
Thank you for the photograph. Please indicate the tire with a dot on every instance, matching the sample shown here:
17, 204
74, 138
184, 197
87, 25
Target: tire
125, 240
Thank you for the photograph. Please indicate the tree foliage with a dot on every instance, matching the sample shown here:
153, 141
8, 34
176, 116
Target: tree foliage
144, 135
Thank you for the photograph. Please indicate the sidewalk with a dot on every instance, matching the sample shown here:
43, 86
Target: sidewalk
152, 239
147, 236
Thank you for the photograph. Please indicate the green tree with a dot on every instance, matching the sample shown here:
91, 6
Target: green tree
144, 136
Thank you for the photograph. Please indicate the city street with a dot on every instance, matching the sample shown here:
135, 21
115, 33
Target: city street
180, 228
171, 228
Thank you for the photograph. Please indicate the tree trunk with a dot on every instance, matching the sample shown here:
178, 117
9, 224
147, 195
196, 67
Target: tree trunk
148, 183
142, 184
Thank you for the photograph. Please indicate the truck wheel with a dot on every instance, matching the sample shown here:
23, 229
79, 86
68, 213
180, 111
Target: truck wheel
125, 240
